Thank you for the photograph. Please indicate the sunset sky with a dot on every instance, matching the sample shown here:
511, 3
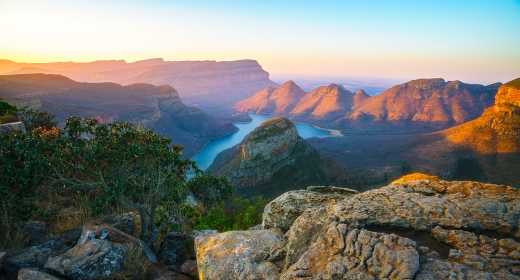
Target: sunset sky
476, 41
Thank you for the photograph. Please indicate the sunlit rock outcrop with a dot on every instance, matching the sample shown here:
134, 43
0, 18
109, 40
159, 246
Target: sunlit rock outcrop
418, 227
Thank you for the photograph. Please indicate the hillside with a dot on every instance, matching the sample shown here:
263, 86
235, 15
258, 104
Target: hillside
157, 107
492, 141
205, 82
416, 106
280, 100
431, 102
273, 158
486, 148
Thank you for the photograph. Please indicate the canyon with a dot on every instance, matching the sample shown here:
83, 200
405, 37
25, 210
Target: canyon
206, 83
416, 106
157, 107
273, 158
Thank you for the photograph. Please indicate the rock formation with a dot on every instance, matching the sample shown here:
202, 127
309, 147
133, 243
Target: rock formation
156, 107
271, 159
491, 141
197, 81
418, 227
418, 105
280, 100
428, 101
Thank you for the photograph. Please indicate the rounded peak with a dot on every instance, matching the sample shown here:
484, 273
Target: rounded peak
426, 83
271, 127
280, 122
332, 89
288, 83
361, 92
290, 86
514, 83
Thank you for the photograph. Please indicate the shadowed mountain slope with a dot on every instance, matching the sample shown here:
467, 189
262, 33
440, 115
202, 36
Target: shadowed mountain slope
157, 107
273, 158
416, 106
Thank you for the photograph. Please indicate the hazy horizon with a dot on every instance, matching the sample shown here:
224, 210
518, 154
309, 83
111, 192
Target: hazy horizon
472, 41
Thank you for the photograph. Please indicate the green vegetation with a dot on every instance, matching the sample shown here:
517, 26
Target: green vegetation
271, 127
7, 112
95, 169
234, 214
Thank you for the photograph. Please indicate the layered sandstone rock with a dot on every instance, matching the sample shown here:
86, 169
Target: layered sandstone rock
419, 227
417, 105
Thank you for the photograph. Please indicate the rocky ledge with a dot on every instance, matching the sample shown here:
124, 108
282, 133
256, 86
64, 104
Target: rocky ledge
418, 227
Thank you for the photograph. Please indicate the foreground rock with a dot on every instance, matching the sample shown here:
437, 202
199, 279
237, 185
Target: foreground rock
99, 253
34, 274
238, 255
36, 256
418, 227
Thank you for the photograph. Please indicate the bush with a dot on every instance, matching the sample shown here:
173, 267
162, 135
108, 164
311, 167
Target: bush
234, 214
109, 166
7, 112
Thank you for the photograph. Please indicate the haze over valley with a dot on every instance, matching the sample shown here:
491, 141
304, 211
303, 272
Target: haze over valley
223, 140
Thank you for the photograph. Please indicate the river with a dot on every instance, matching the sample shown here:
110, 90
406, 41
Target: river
207, 155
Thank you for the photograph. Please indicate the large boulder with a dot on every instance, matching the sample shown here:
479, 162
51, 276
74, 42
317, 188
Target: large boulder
99, 253
282, 211
36, 256
418, 227
93, 259
239, 255
341, 253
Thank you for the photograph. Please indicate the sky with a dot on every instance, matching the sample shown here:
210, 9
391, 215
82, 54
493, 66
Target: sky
474, 41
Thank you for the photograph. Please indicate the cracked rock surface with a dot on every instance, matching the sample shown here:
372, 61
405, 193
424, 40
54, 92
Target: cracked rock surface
418, 227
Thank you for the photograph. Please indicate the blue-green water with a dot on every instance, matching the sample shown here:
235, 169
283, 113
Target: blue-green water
207, 155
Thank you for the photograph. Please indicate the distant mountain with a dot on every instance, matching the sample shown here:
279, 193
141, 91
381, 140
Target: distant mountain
489, 144
430, 102
272, 159
418, 105
324, 103
205, 82
272, 100
486, 148
156, 107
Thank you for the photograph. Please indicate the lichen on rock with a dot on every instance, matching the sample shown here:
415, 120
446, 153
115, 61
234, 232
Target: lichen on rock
419, 227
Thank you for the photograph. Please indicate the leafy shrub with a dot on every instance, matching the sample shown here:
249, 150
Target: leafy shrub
110, 166
7, 112
236, 213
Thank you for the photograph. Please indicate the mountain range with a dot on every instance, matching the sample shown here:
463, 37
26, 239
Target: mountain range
199, 82
423, 104
156, 107
486, 148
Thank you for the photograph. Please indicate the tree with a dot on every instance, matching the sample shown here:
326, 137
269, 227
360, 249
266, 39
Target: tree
7, 112
114, 165
33, 119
